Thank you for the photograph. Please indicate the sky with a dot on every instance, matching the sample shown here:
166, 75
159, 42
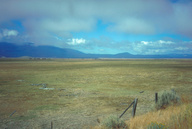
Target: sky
100, 26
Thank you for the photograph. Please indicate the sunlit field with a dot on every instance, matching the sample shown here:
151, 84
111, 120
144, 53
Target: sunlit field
84, 92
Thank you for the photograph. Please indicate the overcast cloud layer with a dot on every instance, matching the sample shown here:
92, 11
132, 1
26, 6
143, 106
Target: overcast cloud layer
59, 22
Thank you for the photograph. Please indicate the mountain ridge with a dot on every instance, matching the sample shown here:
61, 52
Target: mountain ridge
11, 50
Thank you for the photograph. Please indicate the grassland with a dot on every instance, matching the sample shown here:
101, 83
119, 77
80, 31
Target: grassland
86, 91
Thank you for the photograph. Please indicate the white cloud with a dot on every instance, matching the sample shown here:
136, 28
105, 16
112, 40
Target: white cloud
155, 43
7, 33
161, 47
181, 48
145, 42
164, 42
76, 41
128, 16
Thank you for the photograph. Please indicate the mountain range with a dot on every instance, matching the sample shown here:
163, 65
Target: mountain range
10, 50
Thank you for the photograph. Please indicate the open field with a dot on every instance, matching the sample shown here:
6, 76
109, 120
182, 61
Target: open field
85, 91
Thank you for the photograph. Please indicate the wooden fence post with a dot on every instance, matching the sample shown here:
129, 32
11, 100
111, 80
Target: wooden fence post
126, 110
12, 113
51, 125
156, 97
134, 107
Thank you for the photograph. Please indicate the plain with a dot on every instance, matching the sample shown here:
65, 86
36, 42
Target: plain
86, 91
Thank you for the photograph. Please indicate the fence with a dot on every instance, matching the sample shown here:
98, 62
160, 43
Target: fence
134, 103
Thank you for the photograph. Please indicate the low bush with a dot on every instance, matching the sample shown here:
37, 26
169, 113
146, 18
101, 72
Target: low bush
167, 98
114, 122
155, 125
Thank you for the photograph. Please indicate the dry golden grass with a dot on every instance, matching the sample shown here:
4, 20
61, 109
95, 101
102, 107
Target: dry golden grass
173, 117
161, 116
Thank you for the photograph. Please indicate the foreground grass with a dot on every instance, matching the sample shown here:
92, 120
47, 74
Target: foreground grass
85, 90
174, 117
177, 116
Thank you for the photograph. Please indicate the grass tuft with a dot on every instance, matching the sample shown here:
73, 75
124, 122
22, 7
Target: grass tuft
114, 122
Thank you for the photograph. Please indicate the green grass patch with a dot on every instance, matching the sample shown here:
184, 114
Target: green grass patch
155, 125
27, 116
47, 107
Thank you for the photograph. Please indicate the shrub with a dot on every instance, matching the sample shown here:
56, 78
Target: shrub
167, 98
114, 122
155, 125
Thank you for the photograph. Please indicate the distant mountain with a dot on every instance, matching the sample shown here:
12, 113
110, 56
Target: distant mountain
124, 55
29, 50
12, 50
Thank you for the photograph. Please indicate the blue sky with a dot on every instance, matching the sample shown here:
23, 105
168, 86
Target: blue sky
100, 26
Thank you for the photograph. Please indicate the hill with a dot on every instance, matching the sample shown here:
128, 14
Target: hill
11, 50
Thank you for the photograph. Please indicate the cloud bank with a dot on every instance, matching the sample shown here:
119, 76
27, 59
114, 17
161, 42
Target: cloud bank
133, 16
158, 47
53, 22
